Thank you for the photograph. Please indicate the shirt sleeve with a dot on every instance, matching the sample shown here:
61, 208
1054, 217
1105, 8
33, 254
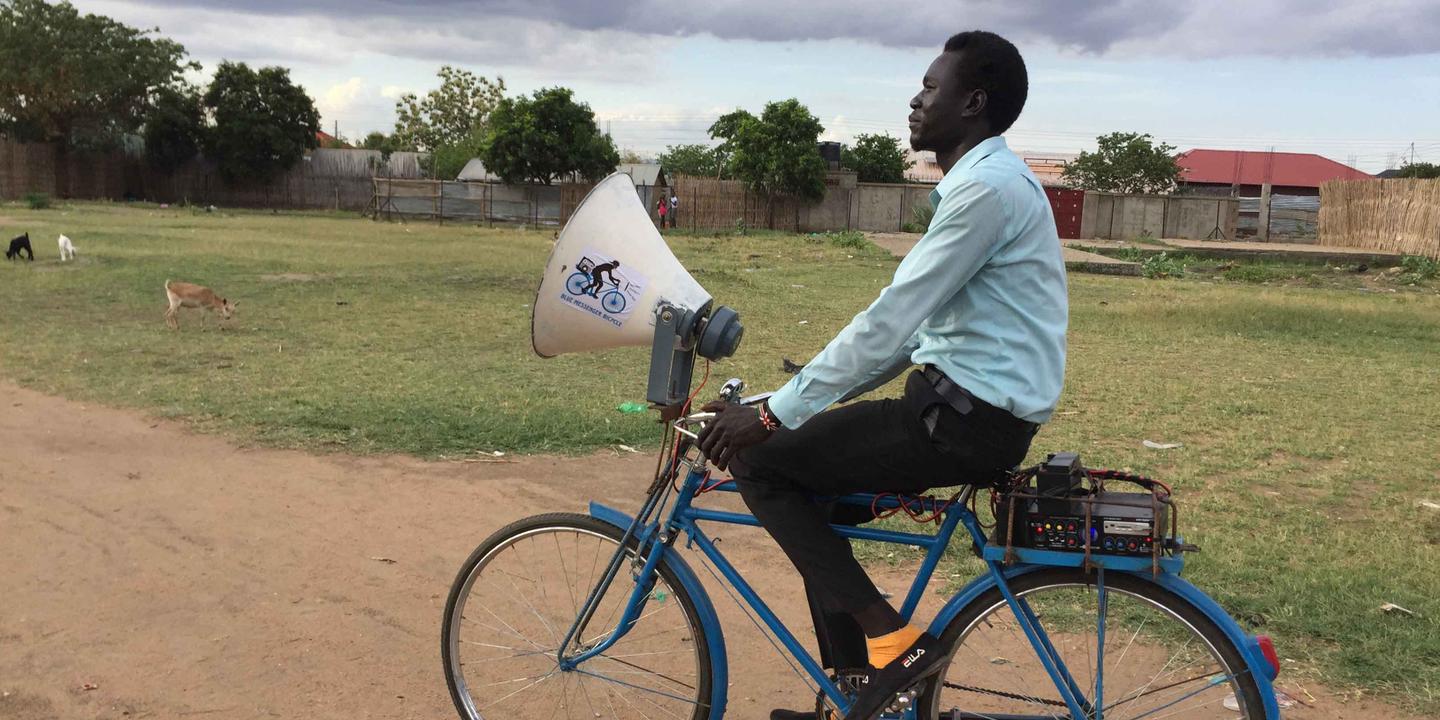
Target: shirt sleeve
962, 236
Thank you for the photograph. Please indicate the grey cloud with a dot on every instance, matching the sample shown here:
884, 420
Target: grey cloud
1149, 27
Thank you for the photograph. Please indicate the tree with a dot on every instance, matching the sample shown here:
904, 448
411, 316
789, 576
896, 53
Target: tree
876, 158
544, 137
1125, 163
775, 154
1419, 170
77, 80
697, 160
174, 126
264, 123
630, 157
723, 129
448, 114
446, 161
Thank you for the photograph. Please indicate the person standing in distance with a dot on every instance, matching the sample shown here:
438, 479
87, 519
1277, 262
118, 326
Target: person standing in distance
981, 305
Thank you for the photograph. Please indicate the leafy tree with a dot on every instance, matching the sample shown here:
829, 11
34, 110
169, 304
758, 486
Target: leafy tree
876, 158
695, 159
1419, 170
1126, 163
774, 154
264, 123
630, 157
723, 129
174, 126
448, 114
386, 144
78, 79
544, 137
446, 161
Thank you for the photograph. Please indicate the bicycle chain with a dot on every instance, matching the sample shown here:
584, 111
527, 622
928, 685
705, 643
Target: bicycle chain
1006, 695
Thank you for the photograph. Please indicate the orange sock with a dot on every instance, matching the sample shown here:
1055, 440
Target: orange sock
884, 649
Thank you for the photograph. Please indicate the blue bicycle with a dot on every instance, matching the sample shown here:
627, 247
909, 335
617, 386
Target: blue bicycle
578, 284
568, 615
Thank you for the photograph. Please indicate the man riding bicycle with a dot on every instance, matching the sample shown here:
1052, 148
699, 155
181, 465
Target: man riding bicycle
980, 303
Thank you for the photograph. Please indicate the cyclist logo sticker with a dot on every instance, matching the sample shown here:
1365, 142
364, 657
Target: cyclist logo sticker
603, 288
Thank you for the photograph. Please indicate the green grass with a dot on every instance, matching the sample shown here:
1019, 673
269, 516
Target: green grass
1307, 413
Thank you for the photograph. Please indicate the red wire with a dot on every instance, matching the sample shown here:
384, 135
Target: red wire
917, 515
685, 410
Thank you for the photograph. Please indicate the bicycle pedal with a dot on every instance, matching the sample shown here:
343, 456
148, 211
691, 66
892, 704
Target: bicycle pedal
901, 704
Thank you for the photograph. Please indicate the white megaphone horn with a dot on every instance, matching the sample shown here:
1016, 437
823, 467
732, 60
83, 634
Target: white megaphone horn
611, 281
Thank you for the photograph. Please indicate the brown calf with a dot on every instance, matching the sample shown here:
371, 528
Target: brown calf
183, 294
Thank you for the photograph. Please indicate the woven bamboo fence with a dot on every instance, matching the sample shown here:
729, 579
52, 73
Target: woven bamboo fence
1397, 216
710, 204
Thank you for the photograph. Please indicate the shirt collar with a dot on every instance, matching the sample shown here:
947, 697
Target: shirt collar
969, 160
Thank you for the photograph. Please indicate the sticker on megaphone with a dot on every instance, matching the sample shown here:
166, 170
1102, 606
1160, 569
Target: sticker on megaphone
601, 286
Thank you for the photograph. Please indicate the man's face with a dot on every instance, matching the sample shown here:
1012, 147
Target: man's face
942, 111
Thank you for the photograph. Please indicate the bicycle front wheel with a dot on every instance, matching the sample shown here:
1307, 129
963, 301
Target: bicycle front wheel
1132, 649
517, 596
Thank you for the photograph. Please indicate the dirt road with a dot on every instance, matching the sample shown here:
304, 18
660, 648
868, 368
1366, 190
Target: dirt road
148, 572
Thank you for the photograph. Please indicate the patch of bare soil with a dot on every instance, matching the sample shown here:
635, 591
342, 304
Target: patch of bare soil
146, 572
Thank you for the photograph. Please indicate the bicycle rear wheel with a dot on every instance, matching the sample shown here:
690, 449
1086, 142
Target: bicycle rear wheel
517, 596
1135, 650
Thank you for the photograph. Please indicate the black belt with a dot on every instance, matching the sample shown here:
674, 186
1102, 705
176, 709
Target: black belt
965, 403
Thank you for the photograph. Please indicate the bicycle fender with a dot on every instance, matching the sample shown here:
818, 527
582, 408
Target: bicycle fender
1249, 646
968, 593
709, 621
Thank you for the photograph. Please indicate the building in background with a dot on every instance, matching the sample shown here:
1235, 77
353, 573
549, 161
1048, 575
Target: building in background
1294, 180
1048, 167
1243, 172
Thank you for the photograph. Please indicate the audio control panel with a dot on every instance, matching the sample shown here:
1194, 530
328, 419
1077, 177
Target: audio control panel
1116, 537
1120, 524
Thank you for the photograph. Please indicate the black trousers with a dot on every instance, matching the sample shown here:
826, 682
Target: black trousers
789, 482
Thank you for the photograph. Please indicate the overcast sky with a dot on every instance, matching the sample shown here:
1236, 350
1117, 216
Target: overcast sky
1357, 82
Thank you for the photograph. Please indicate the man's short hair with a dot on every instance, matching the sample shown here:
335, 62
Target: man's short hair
991, 63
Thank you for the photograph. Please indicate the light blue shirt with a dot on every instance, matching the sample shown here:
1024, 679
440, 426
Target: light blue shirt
982, 297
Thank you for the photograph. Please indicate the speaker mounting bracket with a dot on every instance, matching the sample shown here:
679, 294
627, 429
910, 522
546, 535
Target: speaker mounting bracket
681, 334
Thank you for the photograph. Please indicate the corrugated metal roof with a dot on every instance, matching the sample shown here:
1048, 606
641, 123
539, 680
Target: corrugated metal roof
355, 162
1247, 167
643, 173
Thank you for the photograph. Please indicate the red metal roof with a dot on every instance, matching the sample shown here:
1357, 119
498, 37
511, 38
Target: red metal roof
1257, 168
324, 138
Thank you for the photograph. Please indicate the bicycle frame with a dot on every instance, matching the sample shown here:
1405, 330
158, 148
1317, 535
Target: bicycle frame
654, 546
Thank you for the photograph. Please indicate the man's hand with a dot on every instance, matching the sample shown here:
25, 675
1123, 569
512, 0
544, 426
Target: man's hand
734, 428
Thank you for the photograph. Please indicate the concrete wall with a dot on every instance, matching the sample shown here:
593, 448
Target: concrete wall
836, 210
1125, 217
888, 208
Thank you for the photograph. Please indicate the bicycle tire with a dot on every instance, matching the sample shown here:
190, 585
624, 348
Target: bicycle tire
930, 700
572, 287
567, 522
619, 297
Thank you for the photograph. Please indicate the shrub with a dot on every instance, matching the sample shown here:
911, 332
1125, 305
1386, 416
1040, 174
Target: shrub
923, 215
1161, 265
1419, 268
37, 201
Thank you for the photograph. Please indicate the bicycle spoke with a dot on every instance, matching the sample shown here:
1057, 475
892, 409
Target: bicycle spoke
516, 608
661, 693
1142, 660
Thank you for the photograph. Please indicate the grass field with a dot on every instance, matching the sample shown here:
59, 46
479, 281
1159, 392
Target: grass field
1307, 414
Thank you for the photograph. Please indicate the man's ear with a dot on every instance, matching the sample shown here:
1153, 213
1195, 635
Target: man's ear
975, 103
